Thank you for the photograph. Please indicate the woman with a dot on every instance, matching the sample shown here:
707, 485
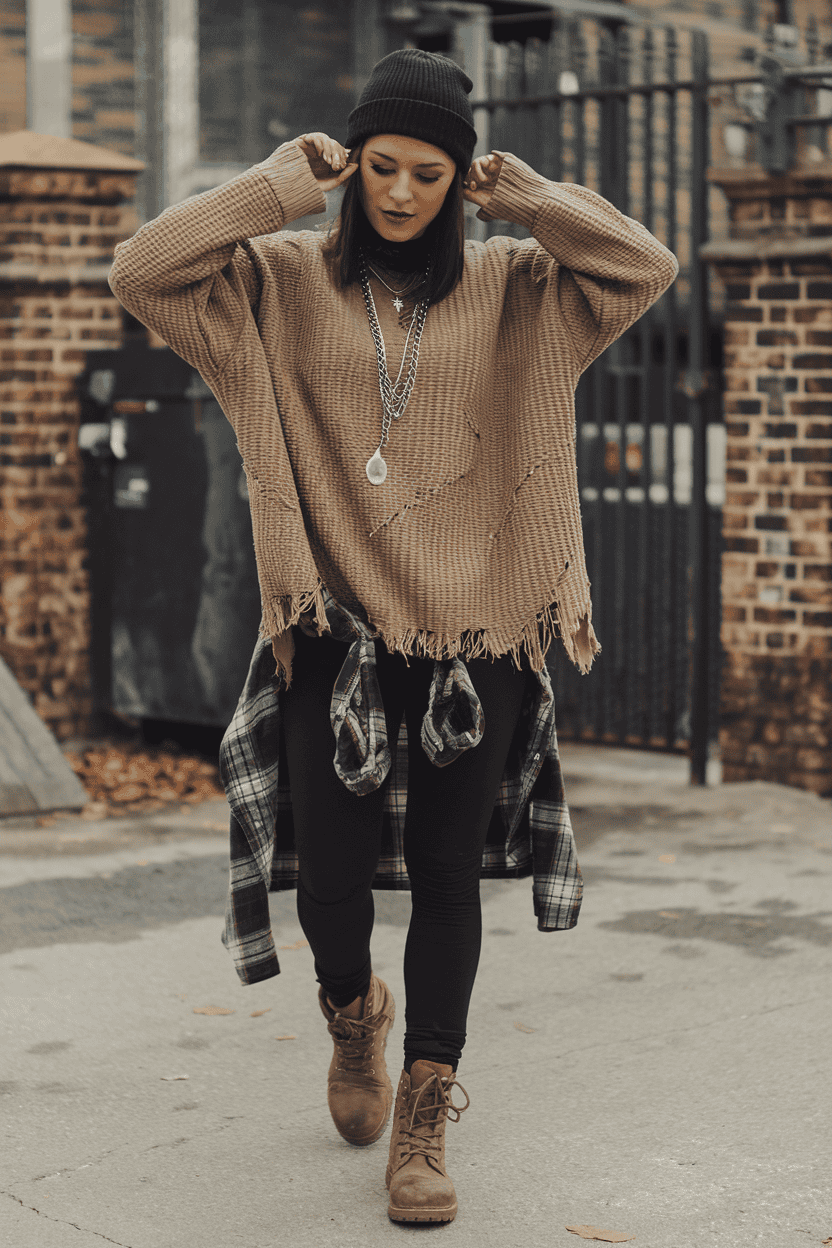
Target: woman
404, 406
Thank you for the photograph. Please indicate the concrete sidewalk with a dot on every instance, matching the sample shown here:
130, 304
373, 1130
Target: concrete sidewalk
663, 1070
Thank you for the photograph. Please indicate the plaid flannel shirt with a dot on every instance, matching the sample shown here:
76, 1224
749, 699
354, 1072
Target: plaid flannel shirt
530, 831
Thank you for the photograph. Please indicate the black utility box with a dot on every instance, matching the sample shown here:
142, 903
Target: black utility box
176, 601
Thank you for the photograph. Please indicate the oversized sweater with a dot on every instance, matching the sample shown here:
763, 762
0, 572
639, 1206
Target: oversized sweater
473, 545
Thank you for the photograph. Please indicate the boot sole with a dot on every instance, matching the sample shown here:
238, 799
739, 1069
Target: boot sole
422, 1215
380, 1131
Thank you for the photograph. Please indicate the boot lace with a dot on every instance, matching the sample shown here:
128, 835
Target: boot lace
354, 1039
430, 1104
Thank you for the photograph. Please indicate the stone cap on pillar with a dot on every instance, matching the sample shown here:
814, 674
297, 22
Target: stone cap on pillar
24, 149
763, 223
42, 167
40, 175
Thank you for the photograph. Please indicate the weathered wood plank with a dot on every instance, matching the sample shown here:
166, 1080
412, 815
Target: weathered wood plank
34, 775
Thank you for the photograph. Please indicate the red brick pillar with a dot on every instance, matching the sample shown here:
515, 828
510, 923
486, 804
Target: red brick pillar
62, 211
776, 713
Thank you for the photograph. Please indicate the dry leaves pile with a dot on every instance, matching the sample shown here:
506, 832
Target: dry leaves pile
126, 778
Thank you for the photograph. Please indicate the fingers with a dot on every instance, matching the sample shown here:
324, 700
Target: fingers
483, 170
329, 150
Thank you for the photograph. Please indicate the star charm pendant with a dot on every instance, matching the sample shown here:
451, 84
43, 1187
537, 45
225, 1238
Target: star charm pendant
397, 304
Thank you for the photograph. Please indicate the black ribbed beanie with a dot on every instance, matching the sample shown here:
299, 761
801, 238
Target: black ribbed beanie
421, 94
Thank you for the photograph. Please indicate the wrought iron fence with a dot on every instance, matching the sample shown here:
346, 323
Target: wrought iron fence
634, 111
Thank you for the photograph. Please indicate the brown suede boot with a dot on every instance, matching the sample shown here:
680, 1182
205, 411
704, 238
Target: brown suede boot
420, 1190
360, 1094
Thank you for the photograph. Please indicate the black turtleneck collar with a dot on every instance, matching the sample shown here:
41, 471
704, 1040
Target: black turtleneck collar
408, 257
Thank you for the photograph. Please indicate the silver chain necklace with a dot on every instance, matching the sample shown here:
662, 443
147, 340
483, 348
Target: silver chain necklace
397, 301
394, 394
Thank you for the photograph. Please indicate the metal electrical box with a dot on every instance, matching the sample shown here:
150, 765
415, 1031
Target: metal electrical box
176, 601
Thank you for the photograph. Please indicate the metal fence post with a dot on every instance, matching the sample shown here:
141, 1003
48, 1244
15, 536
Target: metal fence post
695, 388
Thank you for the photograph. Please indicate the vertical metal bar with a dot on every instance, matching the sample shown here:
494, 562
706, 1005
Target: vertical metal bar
584, 688
579, 110
593, 510
254, 132
621, 354
607, 117
552, 117
698, 612
670, 547
557, 136
615, 355
600, 530
473, 43
645, 670
622, 128
497, 90
515, 117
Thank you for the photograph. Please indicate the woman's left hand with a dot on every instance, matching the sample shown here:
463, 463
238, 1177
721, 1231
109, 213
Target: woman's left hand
478, 186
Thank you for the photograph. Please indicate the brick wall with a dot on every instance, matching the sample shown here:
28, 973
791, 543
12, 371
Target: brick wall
103, 74
777, 567
12, 65
58, 230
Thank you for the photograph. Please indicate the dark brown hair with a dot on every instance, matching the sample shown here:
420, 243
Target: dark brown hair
445, 237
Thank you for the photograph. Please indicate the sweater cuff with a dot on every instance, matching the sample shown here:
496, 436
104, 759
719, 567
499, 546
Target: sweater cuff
517, 195
293, 183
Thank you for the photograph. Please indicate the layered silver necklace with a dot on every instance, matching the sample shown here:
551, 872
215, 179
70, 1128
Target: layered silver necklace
397, 294
394, 394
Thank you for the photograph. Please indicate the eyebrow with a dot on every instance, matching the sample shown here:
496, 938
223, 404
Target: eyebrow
425, 164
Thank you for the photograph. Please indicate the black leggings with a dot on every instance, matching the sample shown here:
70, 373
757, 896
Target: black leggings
338, 837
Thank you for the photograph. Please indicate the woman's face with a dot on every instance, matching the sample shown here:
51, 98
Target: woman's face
403, 184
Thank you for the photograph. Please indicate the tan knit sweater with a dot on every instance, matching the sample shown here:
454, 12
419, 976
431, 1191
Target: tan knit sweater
473, 544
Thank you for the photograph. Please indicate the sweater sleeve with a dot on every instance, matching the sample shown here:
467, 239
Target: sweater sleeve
609, 268
189, 274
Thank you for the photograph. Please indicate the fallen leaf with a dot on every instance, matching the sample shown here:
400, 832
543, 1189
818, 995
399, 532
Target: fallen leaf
260, 1013
128, 793
827, 1241
173, 1078
299, 944
667, 857
212, 1009
669, 914
285, 1037
523, 1027
592, 1232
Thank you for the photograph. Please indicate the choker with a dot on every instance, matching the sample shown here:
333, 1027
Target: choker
408, 257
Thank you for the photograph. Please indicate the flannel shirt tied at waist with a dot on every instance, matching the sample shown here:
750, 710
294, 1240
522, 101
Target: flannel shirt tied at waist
530, 833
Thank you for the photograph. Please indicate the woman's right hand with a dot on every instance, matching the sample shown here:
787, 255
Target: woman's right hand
329, 161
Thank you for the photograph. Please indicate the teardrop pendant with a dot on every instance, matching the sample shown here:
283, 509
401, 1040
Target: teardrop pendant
376, 468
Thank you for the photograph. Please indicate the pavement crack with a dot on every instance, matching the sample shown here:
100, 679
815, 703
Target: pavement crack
38, 1178
85, 1230
675, 1031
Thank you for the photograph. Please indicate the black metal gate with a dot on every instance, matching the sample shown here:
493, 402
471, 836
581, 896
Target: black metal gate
628, 116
